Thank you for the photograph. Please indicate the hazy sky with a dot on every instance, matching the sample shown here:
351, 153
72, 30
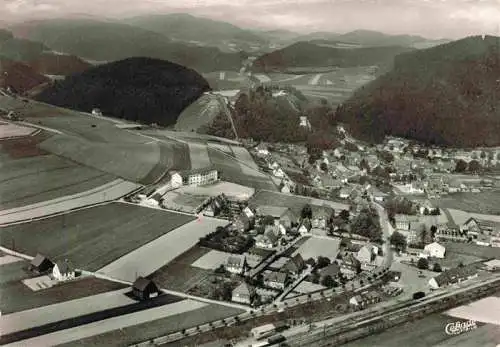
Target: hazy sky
431, 18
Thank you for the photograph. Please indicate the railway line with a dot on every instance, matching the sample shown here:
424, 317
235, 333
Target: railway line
378, 320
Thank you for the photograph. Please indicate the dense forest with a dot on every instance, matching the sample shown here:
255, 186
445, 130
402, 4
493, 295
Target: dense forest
110, 41
262, 116
446, 95
137, 89
307, 54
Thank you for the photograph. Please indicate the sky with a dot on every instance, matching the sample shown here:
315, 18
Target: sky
429, 18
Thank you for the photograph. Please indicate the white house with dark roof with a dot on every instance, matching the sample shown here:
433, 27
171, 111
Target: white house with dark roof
243, 294
236, 264
276, 280
435, 250
63, 271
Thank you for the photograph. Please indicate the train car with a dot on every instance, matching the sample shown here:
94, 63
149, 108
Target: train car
418, 295
273, 340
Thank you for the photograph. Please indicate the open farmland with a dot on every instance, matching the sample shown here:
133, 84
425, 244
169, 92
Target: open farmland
486, 310
16, 296
185, 202
294, 202
159, 327
199, 155
221, 147
231, 171
8, 130
482, 252
110, 324
93, 237
486, 202
231, 190
242, 154
151, 256
460, 217
101, 194
31, 180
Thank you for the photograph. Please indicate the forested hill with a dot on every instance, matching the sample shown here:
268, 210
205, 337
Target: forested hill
447, 95
307, 54
139, 89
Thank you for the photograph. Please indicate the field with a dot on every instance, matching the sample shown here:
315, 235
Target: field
242, 154
110, 191
199, 155
460, 217
212, 260
221, 147
179, 274
231, 171
294, 202
155, 328
486, 202
180, 201
93, 237
231, 190
177, 235
486, 310
477, 251
31, 180
319, 246
16, 297
8, 130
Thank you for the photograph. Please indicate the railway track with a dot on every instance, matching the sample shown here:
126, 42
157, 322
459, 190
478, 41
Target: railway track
378, 320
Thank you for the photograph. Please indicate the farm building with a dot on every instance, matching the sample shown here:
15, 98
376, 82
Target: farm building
281, 215
243, 294
41, 264
435, 250
367, 253
362, 300
63, 271
295, 265
476, 226
332, 270
267, 241
455, 275
144, 289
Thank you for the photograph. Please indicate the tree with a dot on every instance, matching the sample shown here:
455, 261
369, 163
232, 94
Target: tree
460, 166
386, 156
426, 211
322, 262
423, 264
306, 212
398, 240
433, 231
483, 155
268, 220
344, 215
328, 281
311, 262
474, 166
437, 268
363, 165
323, 167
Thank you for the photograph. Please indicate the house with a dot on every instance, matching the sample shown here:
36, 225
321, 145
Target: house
176, 180
96, 112
281, 215
276, 280
144, 289
367, 253
305, 227
477, 225
362, 300
332, 270
452, 276
41, 264
242, 223
349, 264
295, 265
451, 234
404, 222
236, 264
279, 173
322, 217
243, 294
345, 193
435, 250
267, 241
304, 122
63, 271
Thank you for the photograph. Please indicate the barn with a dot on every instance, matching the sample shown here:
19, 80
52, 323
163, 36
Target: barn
144, 289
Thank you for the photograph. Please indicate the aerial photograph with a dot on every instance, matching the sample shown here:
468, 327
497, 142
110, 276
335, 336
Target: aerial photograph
249, 173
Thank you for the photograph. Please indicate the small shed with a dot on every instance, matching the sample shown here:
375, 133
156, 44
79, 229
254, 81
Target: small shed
41, 264
144, 289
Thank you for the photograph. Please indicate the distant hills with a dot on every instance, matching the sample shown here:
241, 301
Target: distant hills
109, 41
19, 49
19, 76
448, 95
185, 27
59, 64
144, 90
307, 54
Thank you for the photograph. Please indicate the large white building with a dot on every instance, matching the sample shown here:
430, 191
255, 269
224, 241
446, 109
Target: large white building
197, 177
435, 250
